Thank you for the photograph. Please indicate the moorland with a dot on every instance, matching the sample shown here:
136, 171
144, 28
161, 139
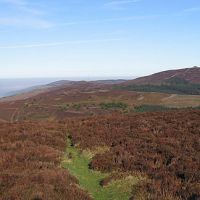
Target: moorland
137, 139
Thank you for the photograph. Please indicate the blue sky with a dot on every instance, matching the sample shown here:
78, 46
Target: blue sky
69, 38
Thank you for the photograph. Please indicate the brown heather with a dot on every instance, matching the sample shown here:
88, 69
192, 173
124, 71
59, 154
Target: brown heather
164, 147
30, 156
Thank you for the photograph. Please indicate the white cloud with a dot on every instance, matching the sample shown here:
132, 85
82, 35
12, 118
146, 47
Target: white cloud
14, 2
194, 9
116, 19
25, 22
23, 6
27, 46
120, 2
31, 16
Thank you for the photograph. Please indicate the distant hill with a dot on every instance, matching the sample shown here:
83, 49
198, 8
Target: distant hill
97, 82
57, 85
191, 75
181, 81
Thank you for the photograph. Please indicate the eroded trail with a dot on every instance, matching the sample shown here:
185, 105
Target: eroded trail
77, 163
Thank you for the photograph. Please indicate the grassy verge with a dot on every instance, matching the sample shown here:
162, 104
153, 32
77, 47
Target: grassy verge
151, 108
77, 164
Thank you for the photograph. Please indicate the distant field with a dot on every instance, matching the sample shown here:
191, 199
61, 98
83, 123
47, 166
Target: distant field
87, 101
180, 101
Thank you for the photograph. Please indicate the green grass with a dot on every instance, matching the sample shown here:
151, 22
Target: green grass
63, 107
77, 164
113, 105
151, 108
76, 106
197, 107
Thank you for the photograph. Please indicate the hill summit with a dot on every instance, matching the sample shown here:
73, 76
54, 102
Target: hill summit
191, 75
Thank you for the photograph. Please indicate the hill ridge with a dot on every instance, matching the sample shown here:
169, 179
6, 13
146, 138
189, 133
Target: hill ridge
192, 75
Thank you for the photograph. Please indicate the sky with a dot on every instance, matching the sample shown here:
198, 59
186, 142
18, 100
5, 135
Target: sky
97, 38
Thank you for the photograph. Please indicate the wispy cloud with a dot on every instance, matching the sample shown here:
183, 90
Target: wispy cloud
40, 23
38, 45
15, 2
28, 22
193, 9
131, 18
107, 20
23, 5
31, 15
120, 2
186, 11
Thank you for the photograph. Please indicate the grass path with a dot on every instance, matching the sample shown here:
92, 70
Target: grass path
77, 164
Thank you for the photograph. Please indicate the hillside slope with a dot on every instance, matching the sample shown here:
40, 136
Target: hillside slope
163, 146
182, 81
30, 162
191, 75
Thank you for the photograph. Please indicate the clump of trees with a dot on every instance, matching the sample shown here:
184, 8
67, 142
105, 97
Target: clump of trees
171, 86
151, 108
113, 105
